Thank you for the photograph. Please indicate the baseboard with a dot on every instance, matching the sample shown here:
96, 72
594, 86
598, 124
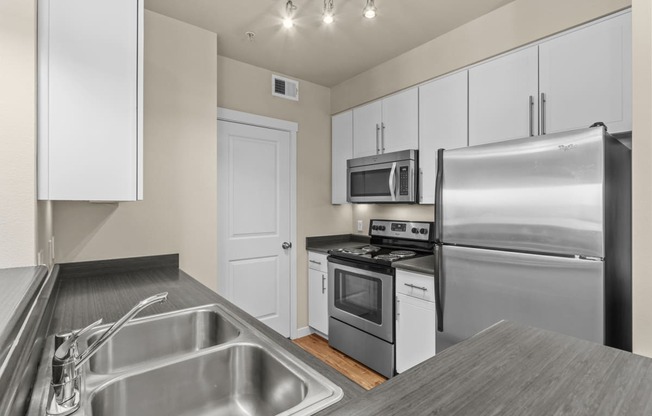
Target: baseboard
306, 330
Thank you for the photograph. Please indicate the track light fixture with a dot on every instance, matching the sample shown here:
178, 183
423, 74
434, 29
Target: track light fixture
328, 15
328, 12
288, 22
369, 10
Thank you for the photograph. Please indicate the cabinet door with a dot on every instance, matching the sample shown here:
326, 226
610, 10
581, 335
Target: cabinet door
342, 150
503, 98
586, 76
400, 123
415, 331
366, 129
443, 124
90, 118
318, 301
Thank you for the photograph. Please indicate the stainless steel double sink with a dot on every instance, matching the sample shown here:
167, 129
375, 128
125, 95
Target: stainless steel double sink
199, 361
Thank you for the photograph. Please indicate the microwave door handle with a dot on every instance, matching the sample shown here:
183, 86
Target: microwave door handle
392, 181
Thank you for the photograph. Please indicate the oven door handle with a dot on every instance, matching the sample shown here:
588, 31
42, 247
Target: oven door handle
392, 181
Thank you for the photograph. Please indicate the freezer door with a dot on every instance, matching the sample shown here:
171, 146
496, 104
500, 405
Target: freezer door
541, 194
481, 287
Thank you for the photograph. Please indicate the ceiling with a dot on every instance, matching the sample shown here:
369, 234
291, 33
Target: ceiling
316, 52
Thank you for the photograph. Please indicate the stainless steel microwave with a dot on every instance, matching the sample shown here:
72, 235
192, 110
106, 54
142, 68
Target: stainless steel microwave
386, 178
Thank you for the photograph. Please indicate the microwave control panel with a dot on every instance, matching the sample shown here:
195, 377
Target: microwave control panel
403, 180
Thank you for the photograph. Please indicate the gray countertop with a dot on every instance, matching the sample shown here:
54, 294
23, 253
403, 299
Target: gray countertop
425, 265
322, 244
508, 369
18, 286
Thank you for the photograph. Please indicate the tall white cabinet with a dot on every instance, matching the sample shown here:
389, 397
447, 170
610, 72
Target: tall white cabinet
585, 76
387, 125
503, 98
90, 100
342, 150
442, 125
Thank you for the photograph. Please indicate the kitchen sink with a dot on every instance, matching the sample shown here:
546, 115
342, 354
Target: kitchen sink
198, 361
149, 339
239, 380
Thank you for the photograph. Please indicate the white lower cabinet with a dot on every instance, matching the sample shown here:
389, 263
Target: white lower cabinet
318, 292
416, 320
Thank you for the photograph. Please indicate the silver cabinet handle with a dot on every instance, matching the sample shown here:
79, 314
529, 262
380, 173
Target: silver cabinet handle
323, 283
315, 262
286, 245
377, 139
392, 181
531, 114
382, 135
425, 289
543, 113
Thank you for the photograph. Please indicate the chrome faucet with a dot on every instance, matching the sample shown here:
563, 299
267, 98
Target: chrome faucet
67, 362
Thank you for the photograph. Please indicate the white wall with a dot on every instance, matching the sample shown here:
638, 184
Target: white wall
17, 133
179, 210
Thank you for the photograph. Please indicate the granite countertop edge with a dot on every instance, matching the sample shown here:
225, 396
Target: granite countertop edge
322, 244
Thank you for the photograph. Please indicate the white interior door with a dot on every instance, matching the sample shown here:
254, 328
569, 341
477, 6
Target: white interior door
254, 221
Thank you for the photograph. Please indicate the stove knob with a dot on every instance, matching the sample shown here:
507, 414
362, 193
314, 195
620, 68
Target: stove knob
375, 227
415, 230
382, 228
423, 231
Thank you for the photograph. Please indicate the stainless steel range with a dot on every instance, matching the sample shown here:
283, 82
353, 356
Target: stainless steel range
361, 291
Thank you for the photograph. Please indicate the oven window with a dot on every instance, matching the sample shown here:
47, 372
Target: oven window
370, 183
359, 295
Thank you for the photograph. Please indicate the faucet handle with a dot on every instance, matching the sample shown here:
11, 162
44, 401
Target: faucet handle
67, 347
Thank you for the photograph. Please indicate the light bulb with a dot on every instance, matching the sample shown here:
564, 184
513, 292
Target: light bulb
370, 10
288, 22
328, 18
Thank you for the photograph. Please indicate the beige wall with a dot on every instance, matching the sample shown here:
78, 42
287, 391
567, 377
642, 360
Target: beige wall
178, 213
506, 28
642, 176
247, 88
17, 133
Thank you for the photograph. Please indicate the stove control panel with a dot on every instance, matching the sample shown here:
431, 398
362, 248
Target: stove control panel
422, 231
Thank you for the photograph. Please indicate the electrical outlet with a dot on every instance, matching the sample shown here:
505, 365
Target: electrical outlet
360, 225
39, 258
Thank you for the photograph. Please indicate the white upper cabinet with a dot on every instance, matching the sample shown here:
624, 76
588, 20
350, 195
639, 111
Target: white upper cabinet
442, 125
387, 125
400, 124
367, 121
90, 100
586, 76
503, 98
342, 150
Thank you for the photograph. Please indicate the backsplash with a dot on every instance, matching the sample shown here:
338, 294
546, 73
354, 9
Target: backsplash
366, 212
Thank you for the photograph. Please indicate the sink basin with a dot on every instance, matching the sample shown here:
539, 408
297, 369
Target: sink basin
242, 379
150, 339
199, 361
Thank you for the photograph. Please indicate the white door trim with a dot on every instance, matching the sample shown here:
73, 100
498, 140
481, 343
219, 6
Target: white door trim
224, 114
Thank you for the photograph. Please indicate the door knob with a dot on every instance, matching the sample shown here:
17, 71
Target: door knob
286, 245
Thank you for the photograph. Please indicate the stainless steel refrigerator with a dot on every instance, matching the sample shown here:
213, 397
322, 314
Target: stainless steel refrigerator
538, 231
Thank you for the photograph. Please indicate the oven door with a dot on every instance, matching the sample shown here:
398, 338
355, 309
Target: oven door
362, 296
382, 182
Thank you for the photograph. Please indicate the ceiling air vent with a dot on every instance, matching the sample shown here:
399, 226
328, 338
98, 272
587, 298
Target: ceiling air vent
285, 88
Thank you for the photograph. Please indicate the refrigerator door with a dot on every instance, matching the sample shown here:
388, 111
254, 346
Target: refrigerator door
481, 287
541, 194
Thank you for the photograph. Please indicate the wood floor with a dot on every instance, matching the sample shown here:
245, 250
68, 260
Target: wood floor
352, 369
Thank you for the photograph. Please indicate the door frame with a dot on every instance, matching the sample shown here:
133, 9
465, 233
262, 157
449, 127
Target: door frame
233, 116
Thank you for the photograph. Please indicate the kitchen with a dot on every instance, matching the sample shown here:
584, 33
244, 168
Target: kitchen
97, 231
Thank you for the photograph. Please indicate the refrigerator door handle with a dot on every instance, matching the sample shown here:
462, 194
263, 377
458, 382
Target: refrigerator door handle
392, 181
439, 309
438, 195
